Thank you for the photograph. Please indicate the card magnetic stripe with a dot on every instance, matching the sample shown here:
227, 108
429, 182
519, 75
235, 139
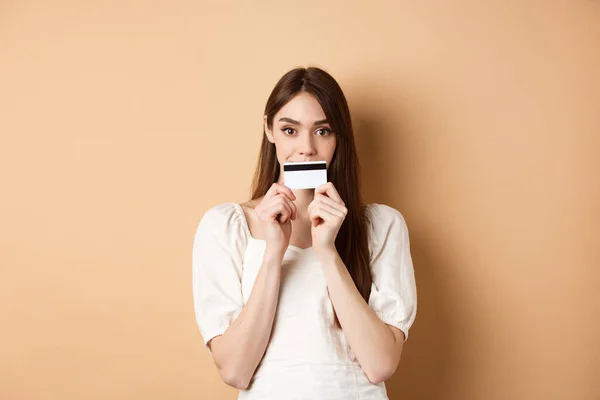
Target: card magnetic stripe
304, 167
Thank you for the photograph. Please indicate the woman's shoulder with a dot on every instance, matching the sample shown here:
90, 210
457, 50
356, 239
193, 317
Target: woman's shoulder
382, 213
220, 211
224, 218
384, 219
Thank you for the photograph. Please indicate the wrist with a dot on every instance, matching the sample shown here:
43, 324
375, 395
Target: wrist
327, 253
272, 257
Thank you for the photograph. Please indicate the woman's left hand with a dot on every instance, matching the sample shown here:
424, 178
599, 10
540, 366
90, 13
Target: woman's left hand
327, 212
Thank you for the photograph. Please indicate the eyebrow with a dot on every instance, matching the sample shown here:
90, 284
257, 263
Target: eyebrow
293, 121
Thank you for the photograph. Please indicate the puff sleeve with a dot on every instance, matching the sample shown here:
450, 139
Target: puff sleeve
217, 259
393, 290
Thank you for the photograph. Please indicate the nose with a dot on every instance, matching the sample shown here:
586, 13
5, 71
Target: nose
307, 147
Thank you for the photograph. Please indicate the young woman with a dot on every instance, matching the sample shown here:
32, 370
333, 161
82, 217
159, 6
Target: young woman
305, 294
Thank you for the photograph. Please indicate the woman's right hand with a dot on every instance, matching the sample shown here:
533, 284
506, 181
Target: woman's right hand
275, 214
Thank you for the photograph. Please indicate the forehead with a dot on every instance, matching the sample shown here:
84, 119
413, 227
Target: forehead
302, 107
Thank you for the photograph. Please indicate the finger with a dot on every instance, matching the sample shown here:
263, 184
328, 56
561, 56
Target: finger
281, 212
285, 203
332, 210
272, 191
281, 207
277, 188
330, 191
315, 219
313, 204
321, 213
292, 207
326, 200
278, 207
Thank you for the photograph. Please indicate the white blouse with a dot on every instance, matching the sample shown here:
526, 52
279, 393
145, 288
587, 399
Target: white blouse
308, 356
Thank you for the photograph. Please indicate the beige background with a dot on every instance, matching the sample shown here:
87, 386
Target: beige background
123, 121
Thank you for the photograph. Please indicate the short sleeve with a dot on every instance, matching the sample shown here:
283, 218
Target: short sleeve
217, 259
393, 291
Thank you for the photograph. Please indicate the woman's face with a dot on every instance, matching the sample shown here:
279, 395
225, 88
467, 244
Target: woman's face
301, 132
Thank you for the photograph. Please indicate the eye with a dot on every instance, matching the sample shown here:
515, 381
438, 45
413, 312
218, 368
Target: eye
288, 131
323, 132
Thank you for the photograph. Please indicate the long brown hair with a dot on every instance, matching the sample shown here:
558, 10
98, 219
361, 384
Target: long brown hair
344, 172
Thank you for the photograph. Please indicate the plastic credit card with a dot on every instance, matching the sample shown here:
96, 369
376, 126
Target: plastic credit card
305, 174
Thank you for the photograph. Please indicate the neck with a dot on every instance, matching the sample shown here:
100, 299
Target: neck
303, 199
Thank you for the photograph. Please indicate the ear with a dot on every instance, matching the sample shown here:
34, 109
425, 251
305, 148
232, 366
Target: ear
268, 131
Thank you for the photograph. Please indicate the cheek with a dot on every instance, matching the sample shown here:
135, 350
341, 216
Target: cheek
284, 149
329, 148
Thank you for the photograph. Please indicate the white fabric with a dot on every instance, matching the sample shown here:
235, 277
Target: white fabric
308, 357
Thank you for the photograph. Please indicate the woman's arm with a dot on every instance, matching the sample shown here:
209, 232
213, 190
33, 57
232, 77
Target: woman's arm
376, 345
240, 349
241, 346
